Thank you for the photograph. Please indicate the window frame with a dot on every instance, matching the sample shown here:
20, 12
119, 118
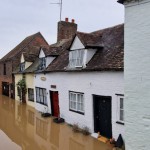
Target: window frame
44, 98
77, 102
42, 64
22, 66
30, 94
119, 97
73, 61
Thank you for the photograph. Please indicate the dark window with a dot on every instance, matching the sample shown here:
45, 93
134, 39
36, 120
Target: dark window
4, 69
22, 66
42, 64
18, 91
41, 96
30, 94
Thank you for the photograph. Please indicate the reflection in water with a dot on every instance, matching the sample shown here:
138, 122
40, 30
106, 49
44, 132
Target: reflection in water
41, 128
28, 131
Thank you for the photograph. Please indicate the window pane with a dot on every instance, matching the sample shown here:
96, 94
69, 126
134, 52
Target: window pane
121, 103
121, 115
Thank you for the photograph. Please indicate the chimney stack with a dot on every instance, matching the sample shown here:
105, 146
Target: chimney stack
67, 19
66, 29
73, 21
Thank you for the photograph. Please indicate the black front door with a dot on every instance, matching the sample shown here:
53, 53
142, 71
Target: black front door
102, 115
5, 88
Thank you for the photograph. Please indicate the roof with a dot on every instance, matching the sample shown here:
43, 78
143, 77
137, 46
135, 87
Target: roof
88, 40
31, 54
122, 1
110, 57
23, 46
56, 48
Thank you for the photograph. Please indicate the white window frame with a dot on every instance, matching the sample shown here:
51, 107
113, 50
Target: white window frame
77, 109
119, 97
41, 96
76, 58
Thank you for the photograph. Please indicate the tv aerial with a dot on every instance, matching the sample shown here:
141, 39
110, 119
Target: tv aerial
60, 4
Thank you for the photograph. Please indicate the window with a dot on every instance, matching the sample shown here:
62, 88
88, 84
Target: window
41, 96
4, 69
121, 108
42, 64
19, 91
76, 58
30, 94
22, 66
76, 102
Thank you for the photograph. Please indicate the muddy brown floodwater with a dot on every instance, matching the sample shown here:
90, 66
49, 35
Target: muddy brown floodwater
23, 128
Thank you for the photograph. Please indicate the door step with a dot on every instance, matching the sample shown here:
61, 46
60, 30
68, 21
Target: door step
103, 139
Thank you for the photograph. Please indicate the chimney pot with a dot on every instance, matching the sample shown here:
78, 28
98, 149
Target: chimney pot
66, 19
73, 21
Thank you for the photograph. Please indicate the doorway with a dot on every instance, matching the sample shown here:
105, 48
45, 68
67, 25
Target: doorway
102, 115
54, 103
5, 88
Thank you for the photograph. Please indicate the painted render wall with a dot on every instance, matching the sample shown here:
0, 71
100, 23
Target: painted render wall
29, 84
137, 75
98, 83
18, 77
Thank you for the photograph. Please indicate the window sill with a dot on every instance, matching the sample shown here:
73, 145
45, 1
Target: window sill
30, 100
76, 111
121, 123
42, 103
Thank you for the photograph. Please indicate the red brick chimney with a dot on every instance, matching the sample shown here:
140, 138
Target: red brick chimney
66, 29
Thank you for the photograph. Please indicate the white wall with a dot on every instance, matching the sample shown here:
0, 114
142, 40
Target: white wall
41, 55
77, 44
137, 75
89, 53
49, 60
22, 58
99, 83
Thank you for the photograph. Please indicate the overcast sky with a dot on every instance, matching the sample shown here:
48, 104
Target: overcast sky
21, 18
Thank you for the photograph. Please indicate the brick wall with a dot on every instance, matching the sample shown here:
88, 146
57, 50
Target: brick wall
66, 30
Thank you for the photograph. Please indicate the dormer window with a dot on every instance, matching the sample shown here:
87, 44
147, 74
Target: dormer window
22, 66
76, 58
42, 63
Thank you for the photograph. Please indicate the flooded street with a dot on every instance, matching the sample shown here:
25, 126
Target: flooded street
23, 128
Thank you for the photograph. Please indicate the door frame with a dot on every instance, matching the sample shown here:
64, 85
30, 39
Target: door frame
51, 100
94, 110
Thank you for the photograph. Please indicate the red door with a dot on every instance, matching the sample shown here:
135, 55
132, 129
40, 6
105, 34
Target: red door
55, 104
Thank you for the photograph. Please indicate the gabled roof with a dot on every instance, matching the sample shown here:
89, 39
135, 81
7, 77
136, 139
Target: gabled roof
23, 46
110, 57
88, 40
32, 54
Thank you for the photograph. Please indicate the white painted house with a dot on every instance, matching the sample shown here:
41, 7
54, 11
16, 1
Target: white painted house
84, 82
137, 74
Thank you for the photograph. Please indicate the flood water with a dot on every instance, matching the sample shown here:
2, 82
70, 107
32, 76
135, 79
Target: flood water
23, 128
